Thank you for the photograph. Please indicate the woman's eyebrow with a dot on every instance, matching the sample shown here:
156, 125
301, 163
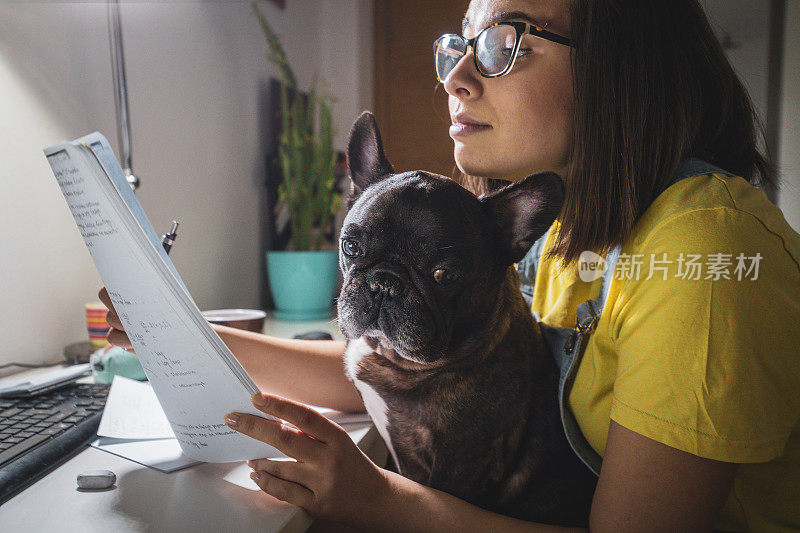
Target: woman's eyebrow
504, 16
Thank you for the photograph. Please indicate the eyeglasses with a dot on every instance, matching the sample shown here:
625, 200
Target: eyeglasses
495, 48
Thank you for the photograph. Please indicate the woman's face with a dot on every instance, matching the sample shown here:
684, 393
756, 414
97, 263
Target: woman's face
525, 116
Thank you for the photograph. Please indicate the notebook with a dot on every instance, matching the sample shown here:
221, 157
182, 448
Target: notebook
195, 376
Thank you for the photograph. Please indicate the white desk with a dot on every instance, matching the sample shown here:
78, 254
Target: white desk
196, 499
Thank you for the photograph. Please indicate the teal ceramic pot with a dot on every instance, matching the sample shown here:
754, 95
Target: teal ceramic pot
302, 283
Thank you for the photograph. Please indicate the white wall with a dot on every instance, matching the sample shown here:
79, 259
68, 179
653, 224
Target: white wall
746, 23
750, 59
195, 71
789, 145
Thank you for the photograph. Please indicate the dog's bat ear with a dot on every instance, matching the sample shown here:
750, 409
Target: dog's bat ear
523, 211
368, 163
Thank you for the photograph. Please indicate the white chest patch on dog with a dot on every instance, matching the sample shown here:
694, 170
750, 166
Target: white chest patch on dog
375, 405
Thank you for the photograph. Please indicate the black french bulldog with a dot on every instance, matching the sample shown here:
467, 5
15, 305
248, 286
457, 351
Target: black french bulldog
447, 357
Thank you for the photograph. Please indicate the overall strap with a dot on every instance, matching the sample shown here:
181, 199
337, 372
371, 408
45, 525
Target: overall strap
589, 311
695, 167
526, 270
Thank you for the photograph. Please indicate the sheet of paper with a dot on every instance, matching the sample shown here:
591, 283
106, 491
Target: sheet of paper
162, 454
132, 411
193, 373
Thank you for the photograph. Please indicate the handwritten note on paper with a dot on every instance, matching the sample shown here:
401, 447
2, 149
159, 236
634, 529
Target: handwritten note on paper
132, 411
196, 378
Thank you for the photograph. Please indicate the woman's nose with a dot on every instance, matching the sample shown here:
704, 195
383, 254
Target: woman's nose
463, 81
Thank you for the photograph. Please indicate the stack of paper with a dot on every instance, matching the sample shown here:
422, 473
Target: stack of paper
195, 375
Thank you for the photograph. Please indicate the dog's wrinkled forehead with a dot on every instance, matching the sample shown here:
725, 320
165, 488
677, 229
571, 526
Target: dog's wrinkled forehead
418, 202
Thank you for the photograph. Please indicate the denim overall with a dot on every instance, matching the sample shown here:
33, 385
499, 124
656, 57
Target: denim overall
568, 344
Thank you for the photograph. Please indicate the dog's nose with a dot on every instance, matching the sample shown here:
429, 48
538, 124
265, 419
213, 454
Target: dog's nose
388, 279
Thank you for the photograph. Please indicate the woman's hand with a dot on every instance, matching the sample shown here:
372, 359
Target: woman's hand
332, 477
116, 335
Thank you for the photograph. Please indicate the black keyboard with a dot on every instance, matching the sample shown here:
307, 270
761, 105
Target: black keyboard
39, 433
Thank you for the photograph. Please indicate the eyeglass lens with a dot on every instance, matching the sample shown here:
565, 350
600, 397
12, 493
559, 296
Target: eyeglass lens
494, 49
450, 49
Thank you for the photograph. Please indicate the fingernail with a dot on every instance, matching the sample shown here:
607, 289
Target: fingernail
232, 420
250, 463
255, 476
259, 400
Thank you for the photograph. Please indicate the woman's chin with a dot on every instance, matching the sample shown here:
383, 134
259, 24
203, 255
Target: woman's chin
473, 165
469, 165
481, 169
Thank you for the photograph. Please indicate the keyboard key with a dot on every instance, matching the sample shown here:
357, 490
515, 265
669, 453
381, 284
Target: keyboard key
20, 447
60, 416
10, 412
13, 440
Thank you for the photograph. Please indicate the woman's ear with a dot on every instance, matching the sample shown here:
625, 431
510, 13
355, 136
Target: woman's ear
523, 211
368, 163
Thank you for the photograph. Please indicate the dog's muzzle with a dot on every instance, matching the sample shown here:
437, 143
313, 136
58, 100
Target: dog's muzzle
387, 281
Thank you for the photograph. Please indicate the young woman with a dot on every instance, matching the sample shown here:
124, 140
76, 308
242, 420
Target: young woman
689, 387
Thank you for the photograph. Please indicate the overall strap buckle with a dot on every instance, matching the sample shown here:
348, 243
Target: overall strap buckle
582, 328
587, 326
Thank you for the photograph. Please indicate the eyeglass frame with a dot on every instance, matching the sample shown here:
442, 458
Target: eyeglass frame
520, 28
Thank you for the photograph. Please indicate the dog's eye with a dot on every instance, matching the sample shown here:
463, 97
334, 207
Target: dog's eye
444, 277
351, 248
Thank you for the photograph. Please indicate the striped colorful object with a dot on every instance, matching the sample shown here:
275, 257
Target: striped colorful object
96, 324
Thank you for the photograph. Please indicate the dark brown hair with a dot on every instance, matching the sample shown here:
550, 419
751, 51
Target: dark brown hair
652, 86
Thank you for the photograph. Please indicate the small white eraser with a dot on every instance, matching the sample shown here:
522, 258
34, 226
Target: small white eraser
96, 479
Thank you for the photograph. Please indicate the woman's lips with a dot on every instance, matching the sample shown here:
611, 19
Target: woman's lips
460, 129
464, 125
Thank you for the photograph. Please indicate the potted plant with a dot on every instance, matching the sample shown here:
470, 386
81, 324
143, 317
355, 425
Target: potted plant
303, 279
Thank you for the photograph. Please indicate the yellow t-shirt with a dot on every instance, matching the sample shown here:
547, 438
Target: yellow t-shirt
691, 359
